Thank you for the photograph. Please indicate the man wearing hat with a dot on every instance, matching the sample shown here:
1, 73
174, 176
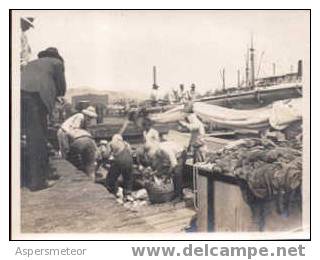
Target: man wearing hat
80, 120
42, 81
25, 52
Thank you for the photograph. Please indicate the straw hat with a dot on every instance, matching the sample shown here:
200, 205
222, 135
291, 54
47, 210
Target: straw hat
90, 111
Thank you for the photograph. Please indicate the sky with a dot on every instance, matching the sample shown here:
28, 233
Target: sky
116, 50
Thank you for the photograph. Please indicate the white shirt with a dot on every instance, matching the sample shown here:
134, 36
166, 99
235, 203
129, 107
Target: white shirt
183, 96
25, 52
151, 136
172, 150
196, 128
73, 122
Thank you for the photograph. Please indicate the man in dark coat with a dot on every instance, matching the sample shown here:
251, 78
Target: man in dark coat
42, 81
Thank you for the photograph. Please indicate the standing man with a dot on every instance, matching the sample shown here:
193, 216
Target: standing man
42, 81
154, 95
182, 94
78, 121
25, 52
100, 112
196, 144
192, 94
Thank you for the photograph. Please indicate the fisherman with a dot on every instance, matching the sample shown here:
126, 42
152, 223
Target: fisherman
80, 120
167, 159
175, 95
25, 52
100, 108
196, 144
42, 81
121, 164
182, 94
150, 134
154, 95
104, 152
192, 94
83, 151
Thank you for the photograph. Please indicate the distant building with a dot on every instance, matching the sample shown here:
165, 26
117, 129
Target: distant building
91, 98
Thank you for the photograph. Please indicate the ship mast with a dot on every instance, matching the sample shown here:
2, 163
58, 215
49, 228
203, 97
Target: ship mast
247, 67
223, 79
252, 83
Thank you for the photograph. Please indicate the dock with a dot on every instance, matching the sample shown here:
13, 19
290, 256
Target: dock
75, 204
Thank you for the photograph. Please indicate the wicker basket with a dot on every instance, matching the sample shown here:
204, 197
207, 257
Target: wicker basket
160, 194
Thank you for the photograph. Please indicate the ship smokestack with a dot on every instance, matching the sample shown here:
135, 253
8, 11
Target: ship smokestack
154, 76
300, 69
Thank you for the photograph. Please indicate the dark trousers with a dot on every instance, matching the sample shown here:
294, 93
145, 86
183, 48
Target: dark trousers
178, 177
122, 165
34, 156
82, 154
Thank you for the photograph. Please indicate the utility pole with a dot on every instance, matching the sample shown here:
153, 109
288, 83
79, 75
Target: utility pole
238, 83
252, 64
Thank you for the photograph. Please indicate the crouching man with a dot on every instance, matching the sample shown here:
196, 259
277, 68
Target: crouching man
121, 165
83, 152
168, 159
78, 121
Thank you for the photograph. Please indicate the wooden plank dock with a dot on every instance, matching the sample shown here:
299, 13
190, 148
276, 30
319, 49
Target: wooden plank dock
77, 205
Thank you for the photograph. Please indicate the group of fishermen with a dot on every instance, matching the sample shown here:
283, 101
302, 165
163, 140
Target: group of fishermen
165, 158
176, 96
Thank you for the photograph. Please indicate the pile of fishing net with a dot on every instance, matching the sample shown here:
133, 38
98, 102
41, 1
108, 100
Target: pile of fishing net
268, 169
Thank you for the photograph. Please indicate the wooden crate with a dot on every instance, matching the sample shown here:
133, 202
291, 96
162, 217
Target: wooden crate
222, 208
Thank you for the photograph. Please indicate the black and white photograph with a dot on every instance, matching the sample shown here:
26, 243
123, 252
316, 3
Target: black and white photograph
182, 123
